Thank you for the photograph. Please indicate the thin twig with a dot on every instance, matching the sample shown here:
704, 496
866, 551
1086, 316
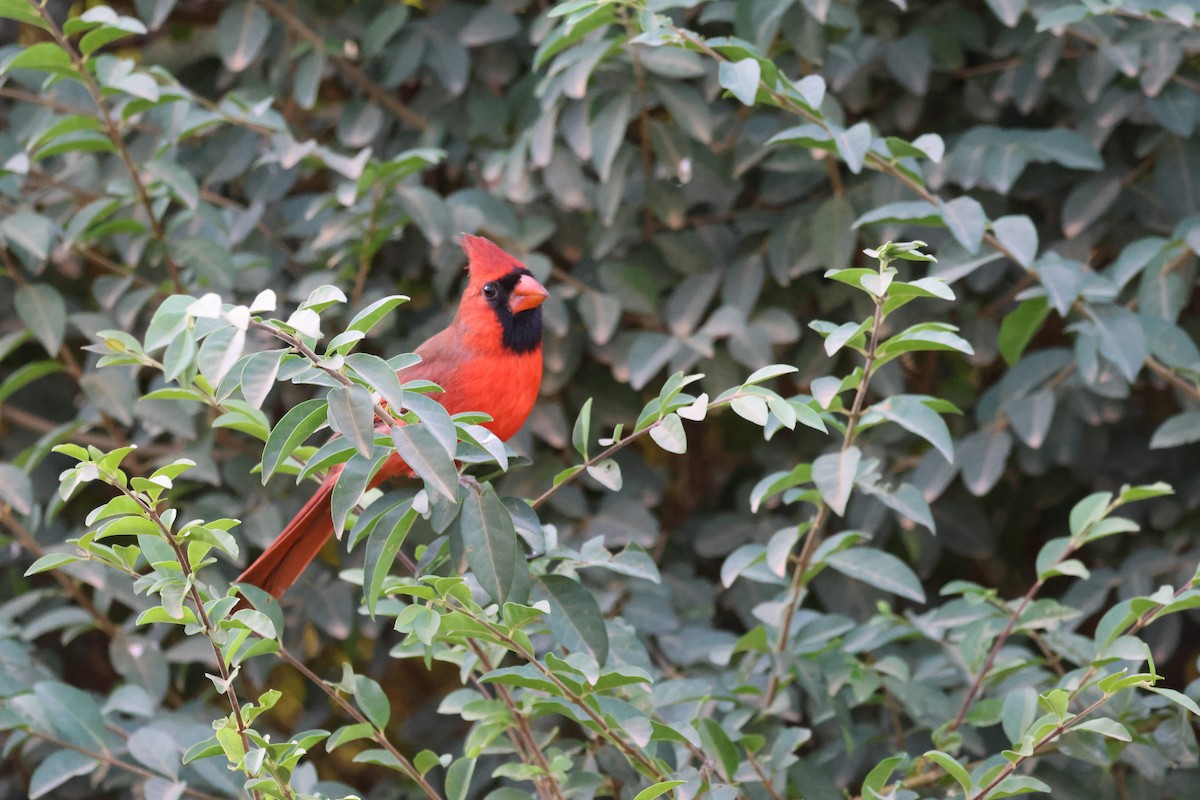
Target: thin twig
817, 529
620, 445
630, 751
69, 584
118, 139
193, 590
367, 249
881, 164
524, 739
347, 67
410, 771
111, 760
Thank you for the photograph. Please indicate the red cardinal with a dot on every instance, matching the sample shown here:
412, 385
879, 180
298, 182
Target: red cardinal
489, 359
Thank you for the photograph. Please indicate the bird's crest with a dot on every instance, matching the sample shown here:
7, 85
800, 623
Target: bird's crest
485, 260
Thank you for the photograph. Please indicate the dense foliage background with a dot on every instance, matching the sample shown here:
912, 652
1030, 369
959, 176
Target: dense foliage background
681, 175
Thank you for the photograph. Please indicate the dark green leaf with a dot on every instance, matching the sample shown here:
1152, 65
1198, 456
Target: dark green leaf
853, 144
834, 475
75, 714
880, 570
575, 618
42, 309
982, 457
241, 32
383, 544
297, 424
353, 414
16, 489
371, 698
58, 768
490, 542
422, 452
1177, 430
966, 220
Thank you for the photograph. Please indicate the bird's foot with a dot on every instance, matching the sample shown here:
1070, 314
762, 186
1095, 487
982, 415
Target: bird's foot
469, 481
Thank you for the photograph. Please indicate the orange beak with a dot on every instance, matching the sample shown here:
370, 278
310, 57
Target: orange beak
527, 294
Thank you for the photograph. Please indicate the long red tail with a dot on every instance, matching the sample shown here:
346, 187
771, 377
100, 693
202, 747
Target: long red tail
294, 549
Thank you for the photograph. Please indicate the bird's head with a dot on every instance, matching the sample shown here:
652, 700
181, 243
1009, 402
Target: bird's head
502, 292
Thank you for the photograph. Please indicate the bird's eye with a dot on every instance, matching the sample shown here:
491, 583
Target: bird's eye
489, 290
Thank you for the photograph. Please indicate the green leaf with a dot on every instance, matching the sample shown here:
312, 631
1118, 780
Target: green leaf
16, 489
50, 561
751, 408
490, 542
912, 414
381, 376
458, 778
1020, 326
22, 11
1018, 235
1178, 698
924, 337
353, 413
44, 56
58, 768
1131, 494
834, 475
669, 434
807, 135
878, 776
1018, 784
575, 618
740, 78
581, 433
878, 569
421, 450
718, 743
1106, 727
177, 180
383, 544
43, 311
607, 473
351, 483
32, 233
954, 769
258, 375
1178, 430
219, 352
349, 733
766, 373
966, 220
114, 28
1122, 340
75, 714
916, 212
371, 699
1031, 416
297, 424
370, 316
982, 457
657, 789
853, 144
241, 33
1089, 511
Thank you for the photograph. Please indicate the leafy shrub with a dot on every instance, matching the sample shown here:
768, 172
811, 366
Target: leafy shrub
213, 218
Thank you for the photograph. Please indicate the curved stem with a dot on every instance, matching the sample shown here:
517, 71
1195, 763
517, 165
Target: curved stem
621, 445
114, 134
821, 519
410, 771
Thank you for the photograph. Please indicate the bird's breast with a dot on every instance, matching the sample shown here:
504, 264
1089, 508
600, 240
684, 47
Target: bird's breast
505, 388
